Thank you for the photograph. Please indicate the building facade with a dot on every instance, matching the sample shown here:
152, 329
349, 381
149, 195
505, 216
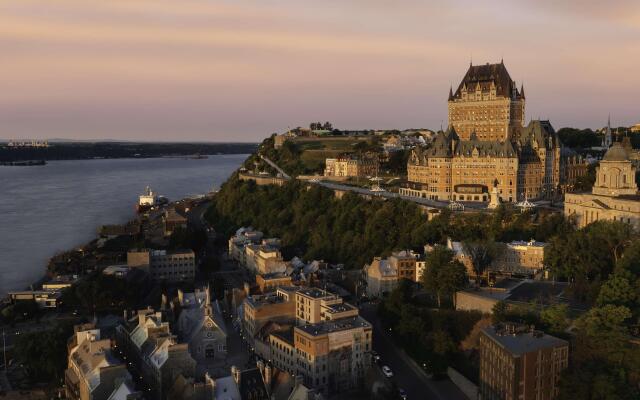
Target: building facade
170, 266
351, 166
614, 196
519, 364
333, 356
487, 103
487, 145
201, 325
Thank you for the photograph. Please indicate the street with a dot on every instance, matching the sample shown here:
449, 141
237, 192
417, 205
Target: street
407, 376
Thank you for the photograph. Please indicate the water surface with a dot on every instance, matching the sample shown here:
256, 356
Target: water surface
51, 208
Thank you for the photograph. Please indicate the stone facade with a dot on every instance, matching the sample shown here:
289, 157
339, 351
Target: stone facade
351, 166
614, 196
487, 145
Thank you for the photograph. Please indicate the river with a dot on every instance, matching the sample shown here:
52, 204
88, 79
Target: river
51, 208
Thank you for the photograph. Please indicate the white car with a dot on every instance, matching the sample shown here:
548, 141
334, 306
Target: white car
387, 371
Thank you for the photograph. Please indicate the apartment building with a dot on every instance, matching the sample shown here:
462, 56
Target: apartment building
517, 363
314, 305
278, 306
333, 356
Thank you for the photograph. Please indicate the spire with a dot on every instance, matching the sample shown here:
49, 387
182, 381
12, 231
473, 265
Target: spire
607, 141
450, 93
522, 90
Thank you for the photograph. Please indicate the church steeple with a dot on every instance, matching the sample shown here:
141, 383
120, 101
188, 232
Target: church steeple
450, 93
607, 141
522, 90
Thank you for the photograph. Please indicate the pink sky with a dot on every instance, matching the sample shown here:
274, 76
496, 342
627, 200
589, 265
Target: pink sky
240, 70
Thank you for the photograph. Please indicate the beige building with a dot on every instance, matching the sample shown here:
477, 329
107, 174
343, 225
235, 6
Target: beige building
514, 258
351, 166
519, 364
258, 310
614, 196
381, 276
268, 282
264, 259
521, 258
93, 373
487, 103
333, 356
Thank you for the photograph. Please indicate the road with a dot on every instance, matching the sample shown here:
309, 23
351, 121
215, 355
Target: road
385, 194
277, 168
407, 375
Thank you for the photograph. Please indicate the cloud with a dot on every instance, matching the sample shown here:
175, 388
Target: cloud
161, 68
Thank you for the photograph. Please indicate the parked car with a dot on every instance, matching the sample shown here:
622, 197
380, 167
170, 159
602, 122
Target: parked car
387, 371
375, 357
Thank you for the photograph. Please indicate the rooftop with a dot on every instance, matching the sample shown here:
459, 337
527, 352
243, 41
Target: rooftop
519, 342
343, 324
316, 293
339, 308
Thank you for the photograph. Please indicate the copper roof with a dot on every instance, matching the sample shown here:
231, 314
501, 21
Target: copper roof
486, 76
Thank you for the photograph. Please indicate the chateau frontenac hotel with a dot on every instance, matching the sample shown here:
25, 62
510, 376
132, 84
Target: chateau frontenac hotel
487, 144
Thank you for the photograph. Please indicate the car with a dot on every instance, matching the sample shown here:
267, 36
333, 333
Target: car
402, 394
375, 356
387, 371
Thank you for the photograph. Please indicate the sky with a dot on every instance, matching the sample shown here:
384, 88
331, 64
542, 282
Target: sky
208, 70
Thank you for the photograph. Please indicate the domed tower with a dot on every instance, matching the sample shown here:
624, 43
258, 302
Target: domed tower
616, 175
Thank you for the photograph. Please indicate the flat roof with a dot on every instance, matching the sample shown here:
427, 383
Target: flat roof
316, 293
340, 307
334, 326
522, 343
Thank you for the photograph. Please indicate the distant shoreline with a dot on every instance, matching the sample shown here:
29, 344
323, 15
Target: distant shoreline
109, 150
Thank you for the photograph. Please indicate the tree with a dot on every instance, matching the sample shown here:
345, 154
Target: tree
44, 354
443, 275
618, 290
482, 253
555, 318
